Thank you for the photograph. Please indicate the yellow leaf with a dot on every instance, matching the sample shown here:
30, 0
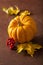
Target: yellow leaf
29, 47
5, 10
37, 46
11, 10
17, 10
20, 47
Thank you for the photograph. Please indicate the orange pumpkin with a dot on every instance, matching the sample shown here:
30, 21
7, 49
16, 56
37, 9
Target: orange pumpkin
22, 29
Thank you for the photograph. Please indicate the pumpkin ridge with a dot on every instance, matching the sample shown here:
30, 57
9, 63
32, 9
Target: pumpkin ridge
22, 18
24, 33
20, 34
25, 19
10, 32
28, 30
33, 26
14, 34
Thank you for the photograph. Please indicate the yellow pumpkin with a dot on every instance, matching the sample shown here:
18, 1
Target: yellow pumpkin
22, 29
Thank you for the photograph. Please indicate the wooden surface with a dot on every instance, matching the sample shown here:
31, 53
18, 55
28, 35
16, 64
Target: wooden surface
8, 57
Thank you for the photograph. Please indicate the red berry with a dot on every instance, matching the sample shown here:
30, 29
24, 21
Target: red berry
11, 46
10, 43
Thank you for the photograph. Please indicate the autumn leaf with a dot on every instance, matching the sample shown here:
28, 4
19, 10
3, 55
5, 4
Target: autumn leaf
20, 47
11, 10
29, 47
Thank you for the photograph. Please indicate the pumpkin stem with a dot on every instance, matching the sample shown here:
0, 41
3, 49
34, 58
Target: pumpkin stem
19, 23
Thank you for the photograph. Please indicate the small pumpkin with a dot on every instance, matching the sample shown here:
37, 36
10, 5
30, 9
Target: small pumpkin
22, 29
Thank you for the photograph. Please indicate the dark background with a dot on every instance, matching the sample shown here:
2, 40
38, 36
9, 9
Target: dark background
10, 57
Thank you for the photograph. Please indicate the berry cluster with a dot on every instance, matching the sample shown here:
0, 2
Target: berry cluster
11, 43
